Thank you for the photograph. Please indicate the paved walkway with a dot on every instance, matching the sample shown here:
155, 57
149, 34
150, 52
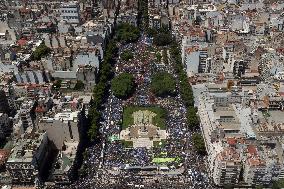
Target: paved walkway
142, 142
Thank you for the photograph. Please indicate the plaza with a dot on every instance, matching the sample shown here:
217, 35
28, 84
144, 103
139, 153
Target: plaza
143, 131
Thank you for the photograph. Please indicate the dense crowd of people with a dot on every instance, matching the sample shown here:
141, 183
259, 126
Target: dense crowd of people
105, 165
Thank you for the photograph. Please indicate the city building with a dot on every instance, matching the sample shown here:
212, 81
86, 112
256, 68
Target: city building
27, 159
70, 12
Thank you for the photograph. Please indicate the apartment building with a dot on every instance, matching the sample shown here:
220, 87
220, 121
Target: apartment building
70, 12
27, 159
227, 167
234, 152
204, 62
23, 120
128, 16
264, 163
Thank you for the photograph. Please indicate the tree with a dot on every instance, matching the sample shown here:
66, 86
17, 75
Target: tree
162, 39
127, 33
123, 85
150, 32
98, 94
163, 84
259, 187
198, 143
79, 85
126, 55
192, 118
159, 56
228, 186
41, 51
143, 17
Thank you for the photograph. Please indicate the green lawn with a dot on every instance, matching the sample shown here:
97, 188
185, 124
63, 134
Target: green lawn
127, 144
158, 120
265, 114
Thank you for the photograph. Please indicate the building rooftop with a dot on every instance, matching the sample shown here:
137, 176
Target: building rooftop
25, 149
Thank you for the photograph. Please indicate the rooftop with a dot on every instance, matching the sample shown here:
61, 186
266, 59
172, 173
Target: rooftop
25, 149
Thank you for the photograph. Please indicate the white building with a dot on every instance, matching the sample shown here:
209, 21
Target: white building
69, 12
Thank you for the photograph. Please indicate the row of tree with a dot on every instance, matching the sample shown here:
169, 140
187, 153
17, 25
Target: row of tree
124, 33
101, 89
161, 37
185, 88
143, 16
123, 85
198, 143
187, 97
127, 33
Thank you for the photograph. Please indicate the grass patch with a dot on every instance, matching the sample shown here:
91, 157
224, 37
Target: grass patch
127, 144
158, 57
158, 120
265, 114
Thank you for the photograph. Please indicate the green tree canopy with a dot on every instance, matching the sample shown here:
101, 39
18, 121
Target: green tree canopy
162, 39
127, 33
163, 84
126, 55
79, 85
159, 56
123, 85
198, 143
41, 51
192, 118
185, 87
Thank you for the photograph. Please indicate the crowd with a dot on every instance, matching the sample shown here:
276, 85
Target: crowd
106, 163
